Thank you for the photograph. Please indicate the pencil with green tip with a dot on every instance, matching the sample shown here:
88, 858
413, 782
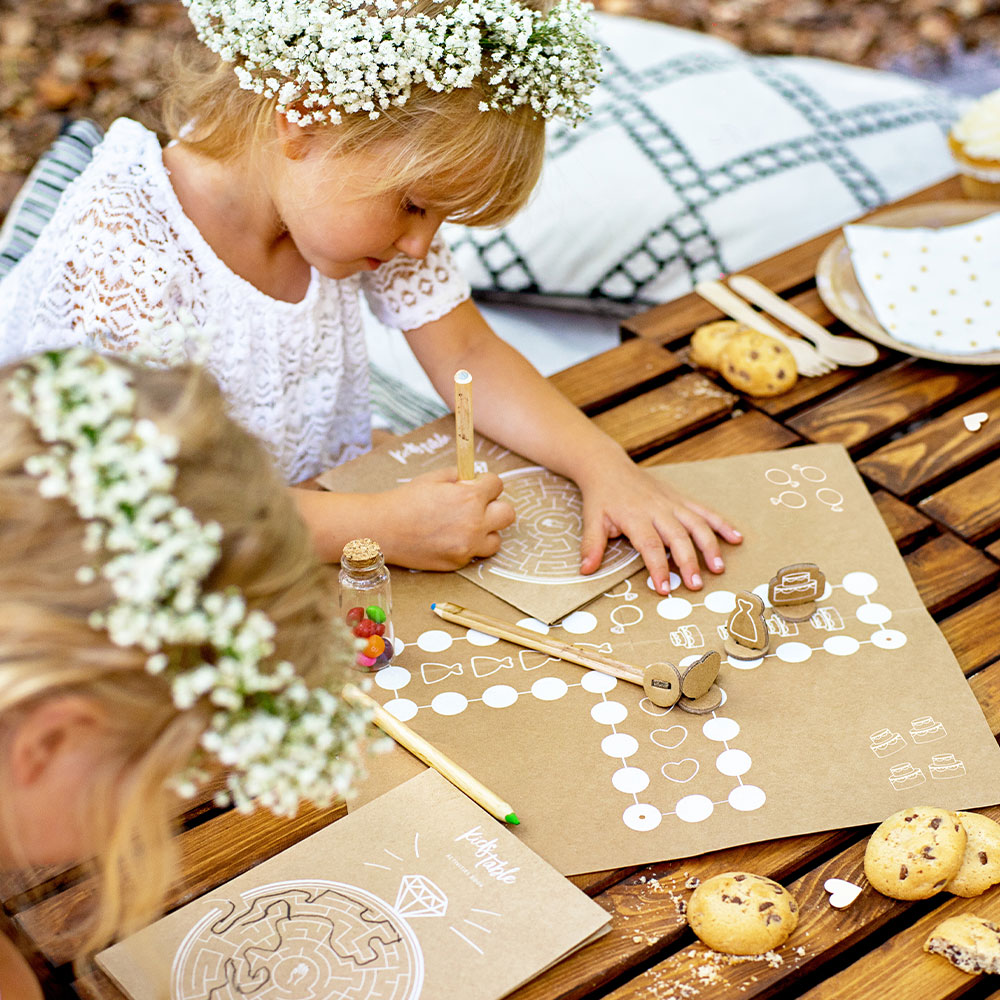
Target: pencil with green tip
432, 757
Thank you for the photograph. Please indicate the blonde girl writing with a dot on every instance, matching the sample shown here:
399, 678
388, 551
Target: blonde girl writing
314, 157
154, 622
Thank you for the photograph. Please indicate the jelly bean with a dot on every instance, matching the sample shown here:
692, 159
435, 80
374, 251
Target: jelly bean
379, 629
355, 615
375, 647
388, 648
365, 629
384, 659
375, 613
365, 661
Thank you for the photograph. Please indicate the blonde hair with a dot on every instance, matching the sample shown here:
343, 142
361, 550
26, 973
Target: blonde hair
47, 647
482, 165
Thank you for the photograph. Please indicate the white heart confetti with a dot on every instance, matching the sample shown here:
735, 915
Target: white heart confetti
973, 421
842, 893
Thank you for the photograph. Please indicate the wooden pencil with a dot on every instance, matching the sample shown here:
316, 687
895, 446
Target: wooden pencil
533, 640
465, 445
432, 757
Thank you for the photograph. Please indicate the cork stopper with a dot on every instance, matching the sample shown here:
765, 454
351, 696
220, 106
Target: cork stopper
361, 553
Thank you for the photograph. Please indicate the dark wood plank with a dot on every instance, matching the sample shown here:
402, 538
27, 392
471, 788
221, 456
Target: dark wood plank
941, 448
946, 570
741, 435
994, 550
970, 507
808, 390
986, 687
905, 524
885, 400
673, 320
607, 378
666, 413
973, 633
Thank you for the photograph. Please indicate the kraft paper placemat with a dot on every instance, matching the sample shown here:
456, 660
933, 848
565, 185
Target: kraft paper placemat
853, 714
419, 894
538, 566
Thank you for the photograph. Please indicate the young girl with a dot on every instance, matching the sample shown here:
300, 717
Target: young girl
316, 157
132, 658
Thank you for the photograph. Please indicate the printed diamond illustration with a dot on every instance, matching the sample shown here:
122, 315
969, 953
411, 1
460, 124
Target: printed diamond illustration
420, 897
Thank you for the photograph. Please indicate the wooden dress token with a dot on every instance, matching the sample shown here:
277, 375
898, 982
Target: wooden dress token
698, 677
708, 702
662, 684
748, 634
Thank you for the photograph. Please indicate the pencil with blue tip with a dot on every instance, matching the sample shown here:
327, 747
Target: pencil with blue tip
432, 757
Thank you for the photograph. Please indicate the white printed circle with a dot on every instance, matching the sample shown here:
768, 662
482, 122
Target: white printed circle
827, 591
449, 703
549, 688
694, 808
746, 798
609, 713
722, 602
860, 584
478, 638
874, 614
761, 591
733, 762
499, 696
793, 652
642, 817
619, 745
534, 625
598, 683
401, 708
630, 780
434, 640
721, 729
739, 664
889, 638
580, 623
392, 678
673, 608
841, 645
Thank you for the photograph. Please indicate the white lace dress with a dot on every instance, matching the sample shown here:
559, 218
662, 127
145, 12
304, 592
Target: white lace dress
119, 256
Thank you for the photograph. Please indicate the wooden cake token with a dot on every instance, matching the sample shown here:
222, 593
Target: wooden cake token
662, 684
699, 676
748, 635
794, 590
708, 702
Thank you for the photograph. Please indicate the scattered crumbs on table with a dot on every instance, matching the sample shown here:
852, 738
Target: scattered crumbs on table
693, 882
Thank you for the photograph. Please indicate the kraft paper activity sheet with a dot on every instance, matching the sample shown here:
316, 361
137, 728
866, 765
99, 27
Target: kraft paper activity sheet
538, 566
854, 712
419, 894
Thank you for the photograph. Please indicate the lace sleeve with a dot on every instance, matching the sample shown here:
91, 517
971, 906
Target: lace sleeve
406, 293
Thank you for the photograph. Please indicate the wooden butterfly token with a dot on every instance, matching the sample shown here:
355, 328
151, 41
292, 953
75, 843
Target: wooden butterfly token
708, 702
662, 684
794, 590
748, 635
698, 677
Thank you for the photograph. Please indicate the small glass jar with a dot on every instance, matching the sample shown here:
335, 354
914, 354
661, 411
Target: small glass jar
366, 602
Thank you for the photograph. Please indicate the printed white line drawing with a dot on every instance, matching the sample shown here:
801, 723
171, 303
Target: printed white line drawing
433, 673
779, 477
531, 659
486, 666
680, 771
688, 637
904, 776
884, 743
628, 594
789, 499
945, 765
827, 620
671, 738
624, 616
777, 625
833, 499
811, 473
926, 730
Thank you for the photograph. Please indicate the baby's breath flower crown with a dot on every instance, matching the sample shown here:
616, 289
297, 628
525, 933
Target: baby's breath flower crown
279, 740
324, 58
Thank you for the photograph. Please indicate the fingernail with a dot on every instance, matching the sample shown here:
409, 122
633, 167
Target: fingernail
718, 565
695, 580
665, 587
737, 534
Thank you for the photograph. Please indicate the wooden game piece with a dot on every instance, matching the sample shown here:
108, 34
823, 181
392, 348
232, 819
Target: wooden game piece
748, 635
662, 684
708, 702
698, 677
794, 590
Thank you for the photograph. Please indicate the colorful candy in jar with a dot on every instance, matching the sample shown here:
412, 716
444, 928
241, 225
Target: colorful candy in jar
368, 625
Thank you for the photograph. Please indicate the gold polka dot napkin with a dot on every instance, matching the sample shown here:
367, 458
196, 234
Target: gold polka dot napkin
937, 289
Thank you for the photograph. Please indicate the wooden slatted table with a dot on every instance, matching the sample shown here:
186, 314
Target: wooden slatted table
938, 488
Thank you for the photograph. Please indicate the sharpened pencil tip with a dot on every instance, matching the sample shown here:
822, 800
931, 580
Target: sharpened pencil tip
512, 819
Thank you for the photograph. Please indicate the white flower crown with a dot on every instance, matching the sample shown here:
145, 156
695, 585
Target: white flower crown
279, 740
321, 58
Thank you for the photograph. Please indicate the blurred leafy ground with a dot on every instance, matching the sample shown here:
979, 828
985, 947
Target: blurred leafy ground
76, 58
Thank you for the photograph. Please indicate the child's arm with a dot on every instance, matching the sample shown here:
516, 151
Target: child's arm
519, 409
432, 522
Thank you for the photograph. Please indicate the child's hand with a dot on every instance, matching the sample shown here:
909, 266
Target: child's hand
436, 522
657, 520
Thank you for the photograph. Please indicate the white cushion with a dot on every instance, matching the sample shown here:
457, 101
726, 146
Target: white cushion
699, 160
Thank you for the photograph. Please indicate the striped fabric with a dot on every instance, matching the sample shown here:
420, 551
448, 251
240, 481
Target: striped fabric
38, 197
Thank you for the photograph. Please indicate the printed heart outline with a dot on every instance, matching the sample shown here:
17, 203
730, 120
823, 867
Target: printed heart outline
678, 763
670, 746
